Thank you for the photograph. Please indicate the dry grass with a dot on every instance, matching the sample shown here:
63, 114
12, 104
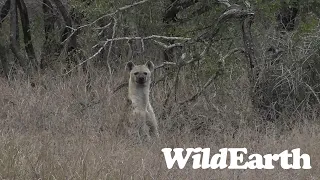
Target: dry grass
52, 131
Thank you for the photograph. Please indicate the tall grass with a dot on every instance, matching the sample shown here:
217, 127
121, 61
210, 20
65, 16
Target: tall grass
55, 129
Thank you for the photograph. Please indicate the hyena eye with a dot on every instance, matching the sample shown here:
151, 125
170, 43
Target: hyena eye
145, 73
136, 73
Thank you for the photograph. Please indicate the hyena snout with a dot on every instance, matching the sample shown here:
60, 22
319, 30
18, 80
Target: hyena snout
141, 78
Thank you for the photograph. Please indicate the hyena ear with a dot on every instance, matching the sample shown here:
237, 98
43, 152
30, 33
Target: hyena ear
129, 66
150, 65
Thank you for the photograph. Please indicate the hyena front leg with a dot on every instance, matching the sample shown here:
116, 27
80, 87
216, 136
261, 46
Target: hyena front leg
153, 128
144, 132
152, 123
141, 128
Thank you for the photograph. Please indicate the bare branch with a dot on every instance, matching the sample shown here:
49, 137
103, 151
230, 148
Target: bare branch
225, 2
115, 23
168, 46
91, 57
196, 95
233, 11
176, 6
115, 12
103, 28
184, 63
213, 77
165, 64
232, 52
107, 15
104, 44
147, 38
120, 87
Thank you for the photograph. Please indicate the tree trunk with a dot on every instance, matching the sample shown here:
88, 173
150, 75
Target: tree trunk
17, 26
249, 47
67, 35
67, 31
253, 64
4, 61
4, 11
48, 19
49, 45
13, 38
27, 33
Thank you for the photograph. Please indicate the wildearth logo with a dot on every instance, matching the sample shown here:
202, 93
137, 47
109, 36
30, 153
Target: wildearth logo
201, 159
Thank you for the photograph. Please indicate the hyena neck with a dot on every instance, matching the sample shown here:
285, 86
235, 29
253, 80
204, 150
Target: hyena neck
139, 95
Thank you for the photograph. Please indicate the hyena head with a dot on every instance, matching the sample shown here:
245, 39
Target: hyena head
140, 74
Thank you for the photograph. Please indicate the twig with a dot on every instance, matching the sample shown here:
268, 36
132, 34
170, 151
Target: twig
183, 63
168, 46
225, 2
176, 83
91, 57
147, 37
165, 64
195, 96
116, 11
232, 52
313, 92
120, 87
103, 28
213, 77
111, 43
